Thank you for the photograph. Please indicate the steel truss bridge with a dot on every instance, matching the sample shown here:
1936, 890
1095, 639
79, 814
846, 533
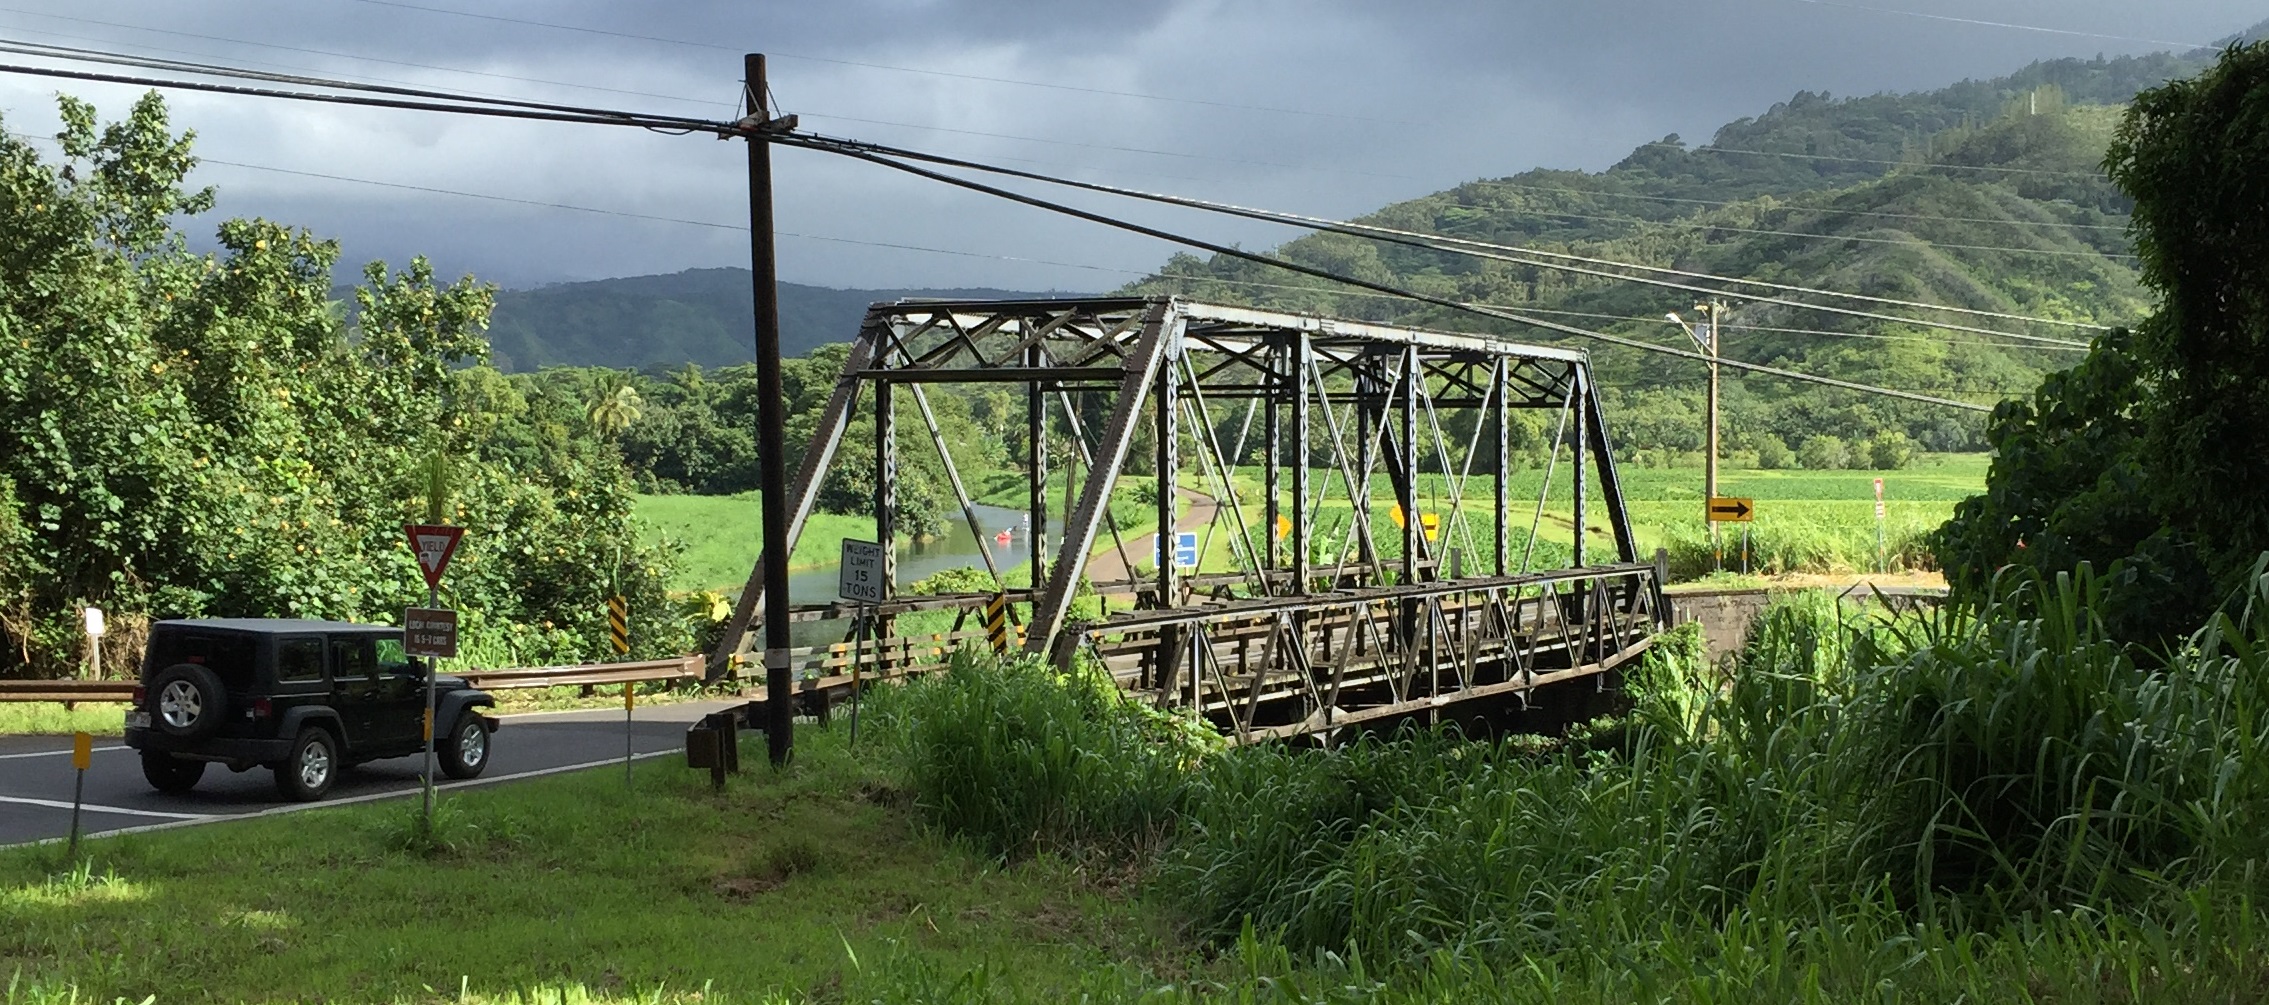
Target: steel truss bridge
1325, 616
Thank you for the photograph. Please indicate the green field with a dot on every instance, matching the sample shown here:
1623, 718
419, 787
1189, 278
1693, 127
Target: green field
721, 536
1807, 521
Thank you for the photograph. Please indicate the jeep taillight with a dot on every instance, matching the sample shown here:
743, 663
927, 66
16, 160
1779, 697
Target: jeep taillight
261, 708
140, 695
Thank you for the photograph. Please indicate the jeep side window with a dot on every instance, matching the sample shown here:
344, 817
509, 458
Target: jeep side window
392, 659
299, 660
351, 660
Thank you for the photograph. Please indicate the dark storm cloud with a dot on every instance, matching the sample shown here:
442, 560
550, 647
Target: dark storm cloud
1393, 101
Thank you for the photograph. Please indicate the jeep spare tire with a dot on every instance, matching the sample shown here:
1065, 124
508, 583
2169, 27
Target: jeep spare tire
187, 700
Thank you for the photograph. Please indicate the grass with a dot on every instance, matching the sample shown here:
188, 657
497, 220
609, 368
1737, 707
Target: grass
1807, 521
52, 719
567, 888
723, 534
1998, 805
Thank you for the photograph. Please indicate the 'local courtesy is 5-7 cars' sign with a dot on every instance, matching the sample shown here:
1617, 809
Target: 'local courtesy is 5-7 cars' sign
430, 631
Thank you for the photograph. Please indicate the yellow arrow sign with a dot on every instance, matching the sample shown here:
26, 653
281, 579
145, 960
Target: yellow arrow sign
1732, 509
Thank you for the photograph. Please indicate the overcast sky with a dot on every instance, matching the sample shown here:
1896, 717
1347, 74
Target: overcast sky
1324, 107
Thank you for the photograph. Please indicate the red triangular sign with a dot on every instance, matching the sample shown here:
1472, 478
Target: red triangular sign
433, 544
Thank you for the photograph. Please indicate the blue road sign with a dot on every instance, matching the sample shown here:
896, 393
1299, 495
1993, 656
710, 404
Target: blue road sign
1186, 549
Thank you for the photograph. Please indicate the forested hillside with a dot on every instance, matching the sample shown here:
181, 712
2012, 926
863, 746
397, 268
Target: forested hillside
697, 316
1987, 194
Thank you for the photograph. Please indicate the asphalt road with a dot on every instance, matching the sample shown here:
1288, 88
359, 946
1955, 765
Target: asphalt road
36, 776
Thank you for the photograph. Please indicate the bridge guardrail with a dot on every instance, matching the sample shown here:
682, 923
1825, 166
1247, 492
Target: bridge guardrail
69, 692
677, 668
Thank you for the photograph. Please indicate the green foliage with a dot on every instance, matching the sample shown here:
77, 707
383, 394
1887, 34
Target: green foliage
2139, 460
1020, 759
1908, 215
1823, 453
2003, 766
1774, 455
204, 434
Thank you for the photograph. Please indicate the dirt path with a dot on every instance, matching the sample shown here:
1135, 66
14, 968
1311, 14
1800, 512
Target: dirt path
1107, 564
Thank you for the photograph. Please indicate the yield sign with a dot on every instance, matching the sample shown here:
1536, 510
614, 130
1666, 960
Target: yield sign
433, 544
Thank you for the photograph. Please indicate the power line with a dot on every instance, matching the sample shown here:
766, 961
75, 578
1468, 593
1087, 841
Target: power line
1871, 160
1482, 249
1222, 249
1190, 281
859, 152
886, 66
1694, 224
335, 55
711, 224
214, 69
1792, 206
2000, 24
1254, 284
453, 103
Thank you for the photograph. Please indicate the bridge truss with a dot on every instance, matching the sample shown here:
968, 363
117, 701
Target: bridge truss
1324, 615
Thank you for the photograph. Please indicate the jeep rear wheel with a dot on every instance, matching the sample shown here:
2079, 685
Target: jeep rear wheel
187, 700
307, 773
464, 752
168, 773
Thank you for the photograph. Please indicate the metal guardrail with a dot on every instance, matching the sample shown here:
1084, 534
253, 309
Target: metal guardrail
680, 668
69, 692
674, 668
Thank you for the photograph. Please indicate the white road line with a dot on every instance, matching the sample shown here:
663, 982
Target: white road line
58, 753
349, 801
91, 808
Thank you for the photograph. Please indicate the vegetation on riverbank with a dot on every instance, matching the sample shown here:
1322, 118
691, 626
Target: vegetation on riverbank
1990, 804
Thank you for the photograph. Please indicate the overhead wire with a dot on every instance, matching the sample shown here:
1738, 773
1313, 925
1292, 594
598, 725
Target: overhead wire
325, 52
447, 103
1997, 24
329, 83
1482, 249
1292, 266
1241, 283
929, 71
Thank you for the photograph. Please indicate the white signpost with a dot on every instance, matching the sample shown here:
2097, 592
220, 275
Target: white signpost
861, 581
1882, 561
860, 578
433, 544
94, 641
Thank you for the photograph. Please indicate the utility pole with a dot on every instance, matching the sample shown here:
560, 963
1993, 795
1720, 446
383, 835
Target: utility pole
771, 417
1705, 335
1711, 312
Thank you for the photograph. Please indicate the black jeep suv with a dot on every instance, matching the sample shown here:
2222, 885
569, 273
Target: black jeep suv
305, 698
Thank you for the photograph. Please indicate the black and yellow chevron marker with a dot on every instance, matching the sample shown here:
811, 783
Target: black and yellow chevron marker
996, 622
618, 624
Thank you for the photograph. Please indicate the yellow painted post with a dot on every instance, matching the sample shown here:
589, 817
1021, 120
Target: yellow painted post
82, 757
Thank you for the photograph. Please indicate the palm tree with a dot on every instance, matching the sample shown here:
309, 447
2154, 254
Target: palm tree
614, 404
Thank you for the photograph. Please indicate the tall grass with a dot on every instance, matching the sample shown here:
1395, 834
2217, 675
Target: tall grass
2007, 774
1020, 759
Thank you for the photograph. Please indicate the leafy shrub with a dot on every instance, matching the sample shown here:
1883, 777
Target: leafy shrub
1823, 453
1890, 450
1019, 758
1773, 455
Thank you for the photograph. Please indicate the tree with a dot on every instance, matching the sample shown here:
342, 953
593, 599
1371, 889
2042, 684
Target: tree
1823, 453
211, 434
614, 403
1889, 450
1772, 454
2148, 455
